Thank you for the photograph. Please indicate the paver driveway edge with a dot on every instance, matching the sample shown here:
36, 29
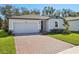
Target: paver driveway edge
39, 44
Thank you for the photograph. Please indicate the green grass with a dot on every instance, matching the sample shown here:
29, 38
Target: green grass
6, 43
72, 38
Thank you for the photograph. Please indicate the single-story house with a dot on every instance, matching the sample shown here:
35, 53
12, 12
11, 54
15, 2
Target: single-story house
34, 24
73, 23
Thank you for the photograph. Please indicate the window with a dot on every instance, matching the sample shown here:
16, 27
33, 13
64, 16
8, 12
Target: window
56, 24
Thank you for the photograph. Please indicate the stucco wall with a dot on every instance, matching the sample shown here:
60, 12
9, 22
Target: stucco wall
74, 25
51, 24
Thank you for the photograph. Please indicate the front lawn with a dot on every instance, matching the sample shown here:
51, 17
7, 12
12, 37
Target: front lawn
72, 38
6, 43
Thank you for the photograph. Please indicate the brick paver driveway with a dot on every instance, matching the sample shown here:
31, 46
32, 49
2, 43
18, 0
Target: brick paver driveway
32, 44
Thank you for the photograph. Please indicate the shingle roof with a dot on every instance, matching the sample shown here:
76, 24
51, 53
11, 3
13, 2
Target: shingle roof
71, 18
30, 17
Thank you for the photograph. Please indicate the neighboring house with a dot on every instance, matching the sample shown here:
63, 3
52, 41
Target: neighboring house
73, 23
34, 24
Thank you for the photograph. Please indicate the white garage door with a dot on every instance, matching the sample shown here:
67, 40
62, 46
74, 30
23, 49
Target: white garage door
27, 27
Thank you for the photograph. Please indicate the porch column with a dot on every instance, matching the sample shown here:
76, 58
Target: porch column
44, 26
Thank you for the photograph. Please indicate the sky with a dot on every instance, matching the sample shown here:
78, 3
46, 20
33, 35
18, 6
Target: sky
74, 7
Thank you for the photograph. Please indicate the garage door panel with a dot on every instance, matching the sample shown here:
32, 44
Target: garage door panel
28, 27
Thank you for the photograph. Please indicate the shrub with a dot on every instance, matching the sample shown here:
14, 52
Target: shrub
10, 32
75, 32
57, 31
66, 31
6, 30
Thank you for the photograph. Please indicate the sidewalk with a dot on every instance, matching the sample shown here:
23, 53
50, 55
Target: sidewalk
74, 50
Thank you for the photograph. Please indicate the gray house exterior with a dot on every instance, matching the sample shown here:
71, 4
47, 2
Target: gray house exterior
34, 24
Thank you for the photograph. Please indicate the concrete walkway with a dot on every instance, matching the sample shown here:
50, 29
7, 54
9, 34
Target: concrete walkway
39, 44
73, 50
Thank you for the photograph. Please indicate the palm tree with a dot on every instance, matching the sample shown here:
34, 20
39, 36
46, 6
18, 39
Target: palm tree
66, 12
48, 11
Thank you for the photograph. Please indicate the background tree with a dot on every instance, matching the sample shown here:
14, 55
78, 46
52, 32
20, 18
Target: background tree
16, 11
35, 11
1, 20
77, 13
48, 11
66, 12
74, 14
7, 12
24, 11
57, 13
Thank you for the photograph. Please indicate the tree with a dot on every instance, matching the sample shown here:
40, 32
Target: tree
16, 11
66, 25
77, 13
48, 11
24, 11
57, 13
64, 13
1, 22
35, 11
74, 14
7, 12
67, 12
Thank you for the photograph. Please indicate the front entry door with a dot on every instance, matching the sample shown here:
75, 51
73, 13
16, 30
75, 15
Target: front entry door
41, 26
